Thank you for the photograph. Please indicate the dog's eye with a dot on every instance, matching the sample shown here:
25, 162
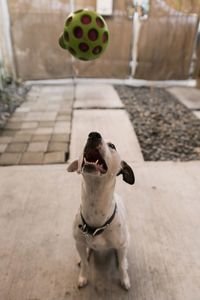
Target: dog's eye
112, 146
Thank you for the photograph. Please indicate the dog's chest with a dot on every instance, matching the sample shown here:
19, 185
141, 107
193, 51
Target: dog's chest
98, 242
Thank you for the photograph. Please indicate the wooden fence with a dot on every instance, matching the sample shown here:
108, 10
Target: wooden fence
165, 46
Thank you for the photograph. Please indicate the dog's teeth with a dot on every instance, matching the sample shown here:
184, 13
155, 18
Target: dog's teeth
90, 162
96, 162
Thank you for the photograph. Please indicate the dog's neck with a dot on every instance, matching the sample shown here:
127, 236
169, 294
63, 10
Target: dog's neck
97, 199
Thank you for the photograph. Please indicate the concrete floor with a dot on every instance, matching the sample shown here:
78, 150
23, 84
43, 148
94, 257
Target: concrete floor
38, 257
38, 204
189, 96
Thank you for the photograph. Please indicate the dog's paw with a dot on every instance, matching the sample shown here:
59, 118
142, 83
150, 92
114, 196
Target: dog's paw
82, 281
125, 283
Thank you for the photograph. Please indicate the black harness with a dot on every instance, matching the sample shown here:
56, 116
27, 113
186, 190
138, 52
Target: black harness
89, 230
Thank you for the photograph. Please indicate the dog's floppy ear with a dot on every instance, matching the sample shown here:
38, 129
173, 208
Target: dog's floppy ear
73, 166
127, 173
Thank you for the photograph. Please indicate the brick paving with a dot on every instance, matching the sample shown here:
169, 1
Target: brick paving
39, 130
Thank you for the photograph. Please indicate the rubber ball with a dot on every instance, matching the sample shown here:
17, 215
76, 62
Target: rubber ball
85, 35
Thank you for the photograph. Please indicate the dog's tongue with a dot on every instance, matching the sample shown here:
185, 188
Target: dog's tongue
93, 161
92, 167
100, 168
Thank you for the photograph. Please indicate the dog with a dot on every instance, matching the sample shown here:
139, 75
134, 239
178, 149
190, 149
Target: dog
101, 222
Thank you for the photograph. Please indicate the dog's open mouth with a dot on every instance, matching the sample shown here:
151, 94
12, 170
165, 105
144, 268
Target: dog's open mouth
93, 162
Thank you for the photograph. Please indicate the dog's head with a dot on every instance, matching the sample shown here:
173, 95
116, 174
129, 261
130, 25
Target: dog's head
100, 158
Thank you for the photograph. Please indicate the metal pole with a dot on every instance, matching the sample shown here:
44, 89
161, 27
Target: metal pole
72, 5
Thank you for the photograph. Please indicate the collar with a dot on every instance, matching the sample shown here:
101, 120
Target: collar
89, 230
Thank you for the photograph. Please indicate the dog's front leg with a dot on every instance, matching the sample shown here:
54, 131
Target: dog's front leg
83, 276
123, 266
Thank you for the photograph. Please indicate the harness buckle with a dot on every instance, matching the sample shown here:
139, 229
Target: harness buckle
99, 230
84, 229
88, 230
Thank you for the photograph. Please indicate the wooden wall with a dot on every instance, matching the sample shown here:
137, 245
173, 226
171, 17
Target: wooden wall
165, 45
197, 68
186, 6
115, 62
36, 26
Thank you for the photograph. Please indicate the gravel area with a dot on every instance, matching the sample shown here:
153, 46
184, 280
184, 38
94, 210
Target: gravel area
10, 98
165, 128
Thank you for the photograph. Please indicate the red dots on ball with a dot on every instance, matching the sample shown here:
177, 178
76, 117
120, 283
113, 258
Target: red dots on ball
83, 47
97, 50
93, 34
85, 35
78, 32
99, 22
86, 19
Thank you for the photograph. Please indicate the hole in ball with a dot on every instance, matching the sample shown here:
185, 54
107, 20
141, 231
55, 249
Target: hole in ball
105, 37
66, 36
97, 50
93, 34
100, 22
72, 51
68, 21
83, 47
86, 19
78, 11
62, 42
78, 32
83, 58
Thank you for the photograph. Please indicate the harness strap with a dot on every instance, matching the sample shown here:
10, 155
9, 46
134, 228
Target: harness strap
87, 229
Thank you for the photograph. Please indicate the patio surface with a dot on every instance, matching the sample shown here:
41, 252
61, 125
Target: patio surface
38, 204
39, 130
190, 97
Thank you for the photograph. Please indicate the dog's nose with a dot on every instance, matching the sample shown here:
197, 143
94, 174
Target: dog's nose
94, 136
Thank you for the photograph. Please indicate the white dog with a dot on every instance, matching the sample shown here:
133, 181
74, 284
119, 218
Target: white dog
101, 222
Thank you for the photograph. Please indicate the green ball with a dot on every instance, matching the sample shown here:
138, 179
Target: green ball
85, 35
